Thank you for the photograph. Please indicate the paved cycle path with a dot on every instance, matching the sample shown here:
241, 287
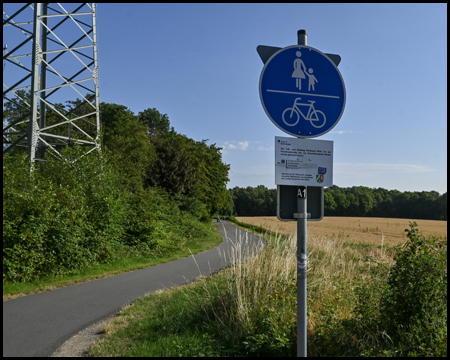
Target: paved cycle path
38, 324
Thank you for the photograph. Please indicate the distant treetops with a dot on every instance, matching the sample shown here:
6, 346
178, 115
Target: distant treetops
352, 201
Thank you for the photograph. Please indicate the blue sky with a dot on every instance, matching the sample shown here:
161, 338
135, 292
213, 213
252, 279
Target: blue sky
198, 64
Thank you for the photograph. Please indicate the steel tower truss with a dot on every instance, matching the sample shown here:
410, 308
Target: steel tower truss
50, 50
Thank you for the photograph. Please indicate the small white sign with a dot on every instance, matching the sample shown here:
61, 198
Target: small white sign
303, 162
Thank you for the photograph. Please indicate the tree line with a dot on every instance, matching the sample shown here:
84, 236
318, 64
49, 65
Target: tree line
149, 191
350, 201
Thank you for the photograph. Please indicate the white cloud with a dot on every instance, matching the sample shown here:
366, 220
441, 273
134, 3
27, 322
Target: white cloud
243, 145
236, 145
264, 148
228, 146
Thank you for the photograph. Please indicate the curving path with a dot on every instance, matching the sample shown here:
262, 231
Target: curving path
38, 324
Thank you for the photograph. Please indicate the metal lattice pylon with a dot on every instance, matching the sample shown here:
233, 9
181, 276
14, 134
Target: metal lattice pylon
50, 58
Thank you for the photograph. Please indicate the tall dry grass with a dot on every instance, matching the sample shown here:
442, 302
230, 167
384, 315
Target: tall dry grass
259, 287
249, 309
258, 274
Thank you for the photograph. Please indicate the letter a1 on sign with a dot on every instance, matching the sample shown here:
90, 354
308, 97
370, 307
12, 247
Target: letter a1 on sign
301, 192
302, 91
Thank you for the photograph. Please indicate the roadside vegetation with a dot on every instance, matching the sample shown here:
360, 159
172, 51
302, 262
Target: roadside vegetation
147, 197
125, 263
356, 304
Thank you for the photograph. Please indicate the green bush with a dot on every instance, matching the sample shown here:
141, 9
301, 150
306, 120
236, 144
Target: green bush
69, 216
62, 219
402, 310
414, 305
155, 224
143, 196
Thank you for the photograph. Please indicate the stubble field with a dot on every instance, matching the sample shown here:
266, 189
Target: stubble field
390, 231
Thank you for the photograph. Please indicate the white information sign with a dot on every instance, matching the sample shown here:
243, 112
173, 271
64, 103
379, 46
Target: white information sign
303, 162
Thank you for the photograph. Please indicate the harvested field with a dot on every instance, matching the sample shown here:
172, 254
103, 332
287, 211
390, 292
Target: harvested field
355, 229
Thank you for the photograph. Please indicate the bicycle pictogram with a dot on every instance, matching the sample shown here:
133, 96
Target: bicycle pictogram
291, 116
316, 117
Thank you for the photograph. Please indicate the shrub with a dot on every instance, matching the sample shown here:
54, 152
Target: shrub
402, 310
72, 215
414, 304
62, 219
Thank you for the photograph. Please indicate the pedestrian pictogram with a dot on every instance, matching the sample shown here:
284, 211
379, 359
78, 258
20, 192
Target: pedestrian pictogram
302, 91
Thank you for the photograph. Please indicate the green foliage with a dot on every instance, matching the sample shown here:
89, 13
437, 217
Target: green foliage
191, 172
71, 216
329, 202
415, 301
60, 220
258, 201
143, 194
354, 201
157, 123
132, 155
155, 224
274, 331
15, 112
363, 201
402, 310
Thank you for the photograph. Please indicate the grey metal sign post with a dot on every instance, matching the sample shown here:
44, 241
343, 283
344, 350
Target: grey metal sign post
302, 258
284, 100
301, 216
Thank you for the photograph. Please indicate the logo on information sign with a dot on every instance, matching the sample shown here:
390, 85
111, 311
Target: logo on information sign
320, 178
322, 170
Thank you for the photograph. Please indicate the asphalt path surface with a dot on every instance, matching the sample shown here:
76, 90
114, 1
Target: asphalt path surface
38, 324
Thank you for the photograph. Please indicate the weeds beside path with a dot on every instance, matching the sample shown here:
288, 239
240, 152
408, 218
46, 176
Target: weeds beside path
250, 308
36, 325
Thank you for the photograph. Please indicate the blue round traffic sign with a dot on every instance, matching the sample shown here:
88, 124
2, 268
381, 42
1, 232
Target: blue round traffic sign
302, 91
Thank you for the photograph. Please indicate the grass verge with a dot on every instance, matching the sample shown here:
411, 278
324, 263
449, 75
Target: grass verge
119, 266
248, 309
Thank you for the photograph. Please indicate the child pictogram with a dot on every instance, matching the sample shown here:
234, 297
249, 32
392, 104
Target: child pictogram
301, 73
312, 79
